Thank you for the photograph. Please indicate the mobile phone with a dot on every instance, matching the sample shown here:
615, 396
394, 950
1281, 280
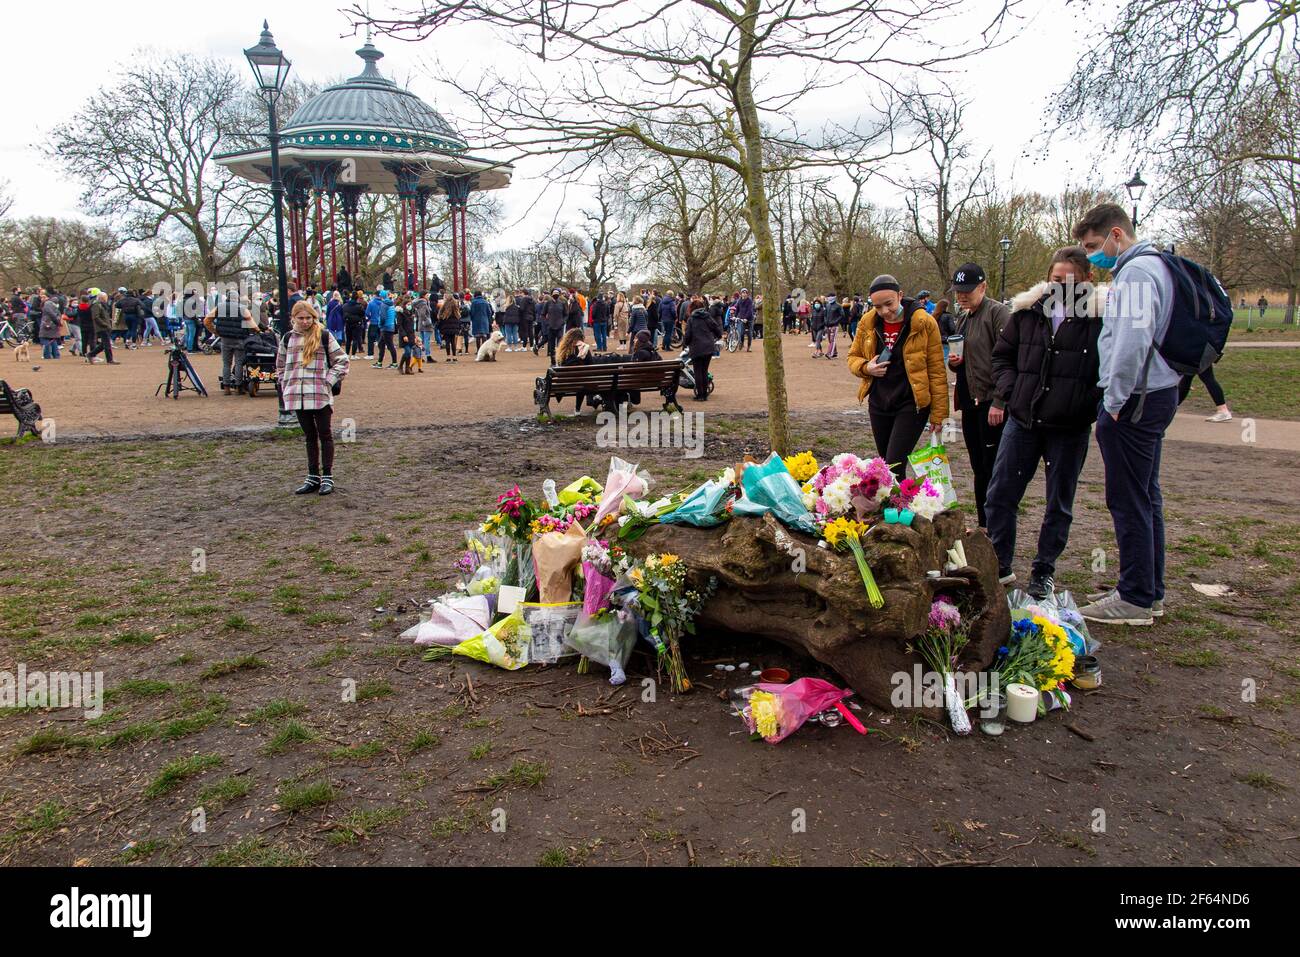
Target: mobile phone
885, 353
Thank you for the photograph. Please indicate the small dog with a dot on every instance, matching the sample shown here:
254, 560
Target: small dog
488, 351
20, 352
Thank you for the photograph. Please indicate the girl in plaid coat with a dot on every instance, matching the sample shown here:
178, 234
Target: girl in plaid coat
309, 365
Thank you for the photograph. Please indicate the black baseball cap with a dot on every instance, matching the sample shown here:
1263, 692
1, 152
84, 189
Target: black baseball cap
967, 277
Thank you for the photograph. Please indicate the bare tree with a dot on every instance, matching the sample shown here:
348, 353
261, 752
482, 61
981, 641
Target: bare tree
620, 72
607, 248
954, 179
144, 153
63, 254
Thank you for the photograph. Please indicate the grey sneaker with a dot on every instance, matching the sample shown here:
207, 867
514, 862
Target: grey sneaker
1157, 606
1114, 610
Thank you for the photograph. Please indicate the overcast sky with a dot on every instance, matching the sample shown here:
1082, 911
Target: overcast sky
56, 57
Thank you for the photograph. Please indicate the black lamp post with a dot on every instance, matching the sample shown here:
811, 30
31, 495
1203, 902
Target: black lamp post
1135, 188
753, 263
1005, 243
270, 70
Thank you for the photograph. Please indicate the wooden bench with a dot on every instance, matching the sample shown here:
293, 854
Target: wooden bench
19, 404
608, 379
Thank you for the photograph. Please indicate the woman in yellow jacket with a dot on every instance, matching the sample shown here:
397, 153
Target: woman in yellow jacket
898, 355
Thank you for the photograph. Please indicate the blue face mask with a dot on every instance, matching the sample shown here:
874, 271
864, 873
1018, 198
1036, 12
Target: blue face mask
1100, 259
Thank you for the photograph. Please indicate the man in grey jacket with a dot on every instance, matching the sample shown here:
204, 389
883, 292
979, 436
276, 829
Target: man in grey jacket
1140, 396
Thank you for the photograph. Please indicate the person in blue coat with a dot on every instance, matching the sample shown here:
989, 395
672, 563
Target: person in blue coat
388, 326
480, 318
375, 309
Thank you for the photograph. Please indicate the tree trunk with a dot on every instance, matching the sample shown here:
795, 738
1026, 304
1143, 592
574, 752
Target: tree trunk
778, 412
814, 601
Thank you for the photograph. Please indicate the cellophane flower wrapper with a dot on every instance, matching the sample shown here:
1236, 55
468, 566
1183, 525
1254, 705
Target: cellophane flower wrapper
555, 556
703, 508
624, 481
547, 627
596, 589
453, 619
607, 640
795, 704
1059, 608
769, 487
504, 645
585, 489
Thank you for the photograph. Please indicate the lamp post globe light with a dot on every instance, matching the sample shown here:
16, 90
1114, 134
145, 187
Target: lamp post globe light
1136, 187
1005, 243
271, 70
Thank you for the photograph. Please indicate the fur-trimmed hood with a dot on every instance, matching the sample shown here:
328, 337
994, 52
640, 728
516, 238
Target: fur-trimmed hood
1032, 297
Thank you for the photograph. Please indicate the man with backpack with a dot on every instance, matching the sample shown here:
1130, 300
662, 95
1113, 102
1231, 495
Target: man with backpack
1165, 316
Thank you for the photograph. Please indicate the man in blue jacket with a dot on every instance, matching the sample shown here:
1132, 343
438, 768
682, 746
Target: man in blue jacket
667, 318
1139, 398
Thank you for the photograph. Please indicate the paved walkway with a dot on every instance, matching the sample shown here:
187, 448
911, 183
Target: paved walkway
1262, 344
1243, 431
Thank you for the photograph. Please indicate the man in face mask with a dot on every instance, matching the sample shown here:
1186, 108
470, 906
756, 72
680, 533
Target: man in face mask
979, 321
1139, 398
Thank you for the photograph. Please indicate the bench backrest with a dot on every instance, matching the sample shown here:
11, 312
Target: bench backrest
627, 375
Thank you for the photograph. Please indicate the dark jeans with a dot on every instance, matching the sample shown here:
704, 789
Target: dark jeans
700, 369
1018, 456
982, 450
385, 342
553, 337
896, 434
320, 440
103, 343
353, 334
1211, 386
601, 331
1131, 451
372, 336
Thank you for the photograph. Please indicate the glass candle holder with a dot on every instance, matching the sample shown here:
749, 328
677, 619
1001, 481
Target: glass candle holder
993, 712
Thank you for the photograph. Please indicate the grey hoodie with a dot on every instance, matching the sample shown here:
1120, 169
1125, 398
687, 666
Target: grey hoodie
1138, 307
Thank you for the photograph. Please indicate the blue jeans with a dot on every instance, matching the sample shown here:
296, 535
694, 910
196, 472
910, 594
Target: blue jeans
191, 335
1019, 453
49, 348
1131, 451
426, 338
601, 329
511, 332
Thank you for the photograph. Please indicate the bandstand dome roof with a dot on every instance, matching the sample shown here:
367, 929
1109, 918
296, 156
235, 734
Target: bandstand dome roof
372, 124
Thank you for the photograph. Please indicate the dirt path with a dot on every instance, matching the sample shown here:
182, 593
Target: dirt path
228, 681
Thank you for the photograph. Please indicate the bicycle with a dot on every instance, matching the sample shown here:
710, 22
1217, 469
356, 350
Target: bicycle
734, 335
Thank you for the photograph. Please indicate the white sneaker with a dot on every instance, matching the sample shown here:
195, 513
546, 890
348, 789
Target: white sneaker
1220, 417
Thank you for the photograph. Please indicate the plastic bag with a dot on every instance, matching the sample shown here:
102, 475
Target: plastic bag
607, 640
547, 626
624, 480
519, 568
505, 644
931, 462
555, 556
584, 489
453, 619
1059, 608
703, 508
777, 711
769, 487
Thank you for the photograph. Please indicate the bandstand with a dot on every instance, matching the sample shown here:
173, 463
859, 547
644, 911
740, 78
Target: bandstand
369, 135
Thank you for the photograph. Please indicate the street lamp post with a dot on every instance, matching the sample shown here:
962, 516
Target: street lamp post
753, 263
1005, 243
271, 69
1135, 188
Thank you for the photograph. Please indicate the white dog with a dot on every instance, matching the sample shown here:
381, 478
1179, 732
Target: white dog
488, 351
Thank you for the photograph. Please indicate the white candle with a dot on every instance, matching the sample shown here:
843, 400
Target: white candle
1022, 703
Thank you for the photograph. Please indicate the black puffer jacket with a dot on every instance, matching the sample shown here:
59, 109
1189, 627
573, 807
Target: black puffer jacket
702, 333
1046, 380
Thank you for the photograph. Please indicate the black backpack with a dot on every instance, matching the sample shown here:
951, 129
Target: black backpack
1200, 319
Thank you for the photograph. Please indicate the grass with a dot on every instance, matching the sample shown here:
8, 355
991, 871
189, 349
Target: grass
1262, 780
225, 791
256, 852
291, 733
219, 669
1250, 379
175, 773
375, 688
275, 710
358, 824
296, 798
521, 774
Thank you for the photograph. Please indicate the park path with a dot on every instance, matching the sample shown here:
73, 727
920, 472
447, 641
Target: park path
1242, 430
1262, 344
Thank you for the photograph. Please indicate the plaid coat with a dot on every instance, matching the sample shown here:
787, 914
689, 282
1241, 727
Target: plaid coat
309, 387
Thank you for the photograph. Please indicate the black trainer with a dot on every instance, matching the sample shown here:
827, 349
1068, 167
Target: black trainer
309, 486
1041, 585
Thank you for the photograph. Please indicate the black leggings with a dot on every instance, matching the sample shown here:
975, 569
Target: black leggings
320, 440
700, 369
1211, 386
449, 344
386, 342
896, 435
355, 336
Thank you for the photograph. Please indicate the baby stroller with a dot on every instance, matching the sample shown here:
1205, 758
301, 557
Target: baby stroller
687, 380
259, 363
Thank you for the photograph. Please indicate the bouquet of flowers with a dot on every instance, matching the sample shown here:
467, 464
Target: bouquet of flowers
1040, 655
624, 481
802, 466
922, 498
669, 608
939, 648
598, 573
841, 533
514, 516
848, 483
774, 712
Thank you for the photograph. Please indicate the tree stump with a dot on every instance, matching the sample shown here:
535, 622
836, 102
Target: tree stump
822, 609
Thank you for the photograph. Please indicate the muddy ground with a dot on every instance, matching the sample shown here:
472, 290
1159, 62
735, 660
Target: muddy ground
226, 683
